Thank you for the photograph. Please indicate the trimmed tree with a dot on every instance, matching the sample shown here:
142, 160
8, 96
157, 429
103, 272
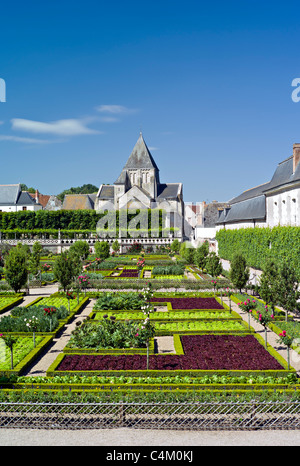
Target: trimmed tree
239, 271
213, 265
201, 254
102, 249
65, 269
268, 290
16, 271
287, 288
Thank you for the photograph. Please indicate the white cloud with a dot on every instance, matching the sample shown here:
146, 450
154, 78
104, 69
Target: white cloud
68, 127
4, 137
114, 109
109, 119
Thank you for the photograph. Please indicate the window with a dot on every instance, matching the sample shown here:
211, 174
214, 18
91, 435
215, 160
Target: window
24, 208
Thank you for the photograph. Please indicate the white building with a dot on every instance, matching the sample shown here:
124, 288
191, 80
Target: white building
13, 199
276, 202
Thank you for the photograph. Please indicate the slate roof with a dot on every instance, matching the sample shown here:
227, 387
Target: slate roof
247, 210
284, 174
168, 190
25, 199
251, 204
106, 192
79, 201
140, 157
250, 193
11, 194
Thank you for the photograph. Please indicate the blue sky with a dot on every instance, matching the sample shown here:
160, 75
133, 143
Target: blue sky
208, 83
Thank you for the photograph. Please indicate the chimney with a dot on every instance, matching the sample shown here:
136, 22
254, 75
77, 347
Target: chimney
36, 196
296, 156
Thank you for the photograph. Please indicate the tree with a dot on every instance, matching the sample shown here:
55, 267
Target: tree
102, 249
65, 269
201, 254
268, 288
175, 246
115, 246
213, 264
80, 249
16, 269
239, 271
34, 258
189, 255
287, 288
10, 341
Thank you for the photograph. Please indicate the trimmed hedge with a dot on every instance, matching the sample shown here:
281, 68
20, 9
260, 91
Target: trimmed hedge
259, 244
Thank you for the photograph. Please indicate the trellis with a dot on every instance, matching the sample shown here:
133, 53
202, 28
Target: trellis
244, 415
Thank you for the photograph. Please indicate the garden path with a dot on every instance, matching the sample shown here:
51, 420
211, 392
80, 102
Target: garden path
40, 366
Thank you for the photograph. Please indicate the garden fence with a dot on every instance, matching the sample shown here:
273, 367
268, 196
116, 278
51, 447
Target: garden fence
190, 416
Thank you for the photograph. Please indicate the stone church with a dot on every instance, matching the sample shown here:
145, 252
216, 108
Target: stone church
138, 186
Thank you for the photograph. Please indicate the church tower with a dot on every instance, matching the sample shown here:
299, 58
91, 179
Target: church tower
140, 170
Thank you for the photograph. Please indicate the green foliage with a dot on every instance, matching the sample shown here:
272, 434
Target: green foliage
118, 301
115, 246
16, 271
34, 258
174, 269
65, 269
175, 246
109, 333
102, 249
200, 255
213, 264
259, 244
79, 249
287, 287
16, 321
239, 272
268, 283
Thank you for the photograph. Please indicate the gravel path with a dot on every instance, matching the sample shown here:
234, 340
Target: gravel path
144, 437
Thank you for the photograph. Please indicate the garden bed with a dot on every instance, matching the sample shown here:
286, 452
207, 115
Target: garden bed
8, 302
190, 302
201, 353
24, 352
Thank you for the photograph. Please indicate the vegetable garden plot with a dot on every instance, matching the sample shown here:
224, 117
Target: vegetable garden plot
7, 302
171, 315
129, 273
202, 352
190, 303
22, 347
